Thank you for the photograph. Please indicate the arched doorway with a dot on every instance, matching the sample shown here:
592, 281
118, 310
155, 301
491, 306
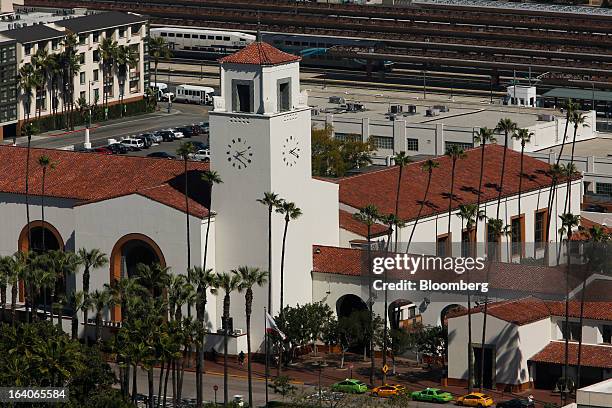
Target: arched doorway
44, 236
402, 314
448, 309
128, 252
347, 304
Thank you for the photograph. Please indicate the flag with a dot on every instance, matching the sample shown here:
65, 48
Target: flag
271, 327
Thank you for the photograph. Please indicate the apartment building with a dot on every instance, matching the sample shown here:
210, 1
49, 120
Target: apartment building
24, 42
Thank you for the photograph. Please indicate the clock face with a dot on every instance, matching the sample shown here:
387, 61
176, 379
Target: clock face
239, 153
291, 151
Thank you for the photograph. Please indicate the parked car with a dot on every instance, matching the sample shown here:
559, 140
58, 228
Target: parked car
147, 139
176, 133
205, 126
101, 150
186, 131
167, 136
431, 395
133, 143
195, 128
388, 390
157, 138
161, 155
199, 145
595, 208
117, 148
201, 155
351, 386
516, 403
475, 399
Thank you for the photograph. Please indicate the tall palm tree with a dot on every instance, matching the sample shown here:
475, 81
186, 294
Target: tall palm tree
99, 300
369, 215
568, 222
271, 201
90, 260
401, 161
154, 278
77, 302
507, 126
45, 163
108, 55
26, 84
228, 283
578, 119
291, 212
158, 50
185, 151
126, 59
62, 264
210, 178
570, 108
249, 277
455, 153
20, 271
524, 136
428, 166
555, 172
70, 66
203, 280
40, 60
54, 70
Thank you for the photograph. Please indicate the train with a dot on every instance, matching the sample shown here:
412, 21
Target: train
202, 43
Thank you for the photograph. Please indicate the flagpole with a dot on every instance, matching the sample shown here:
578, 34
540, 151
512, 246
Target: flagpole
266, 347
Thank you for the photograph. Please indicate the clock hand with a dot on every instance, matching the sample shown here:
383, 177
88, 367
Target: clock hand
243, 163
292, 151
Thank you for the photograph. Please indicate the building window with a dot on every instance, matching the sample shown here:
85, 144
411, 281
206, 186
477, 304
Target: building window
135, 29
412, 145
603, 189
383, 142
540, 229
242, 96
96, 73
82, 58
493, 241
96, 95
82, 38
606, 333
347, 137
517, 228
82, 78
110, 33
41, 100
464, 146
574, 331
96, 56
284, 95
27, 49
443, 245
96, 37
82, 95
54, 44
121, 32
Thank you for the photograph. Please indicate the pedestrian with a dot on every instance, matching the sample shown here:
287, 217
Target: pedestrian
241, 359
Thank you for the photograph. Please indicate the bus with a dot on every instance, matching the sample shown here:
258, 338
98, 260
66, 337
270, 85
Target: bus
194, 94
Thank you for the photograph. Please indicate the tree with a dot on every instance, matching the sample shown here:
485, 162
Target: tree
20, 269
153, 277
184, 152
400, 342
77, 302
455, 153
428, 166
333, 157
45, 163
108, 54
570, 107
40, 62
368, 216
7, 264
89, 259
29, 130
568, 222
291, 212
99, 300
26, 84
524, 136
578, 119
126, 58
227, 283
507, 126
203, 280
271, 201
158, 50
249, 277
71, 66
430, 341
54, 71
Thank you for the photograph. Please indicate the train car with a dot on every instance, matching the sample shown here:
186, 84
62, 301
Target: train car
202, 43
313, 50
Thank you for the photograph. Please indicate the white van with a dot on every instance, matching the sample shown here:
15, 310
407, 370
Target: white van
137, 143
161, 90
194, 94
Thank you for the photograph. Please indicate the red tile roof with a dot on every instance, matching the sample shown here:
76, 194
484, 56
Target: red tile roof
598, 356
349, 223
379, 187
519, 279
531, 309
259, 53
88, 177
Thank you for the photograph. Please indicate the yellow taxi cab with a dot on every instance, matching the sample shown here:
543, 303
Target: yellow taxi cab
388, 390
475, 399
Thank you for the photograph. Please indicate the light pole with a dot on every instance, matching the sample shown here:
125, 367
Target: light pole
424, 84
168, 93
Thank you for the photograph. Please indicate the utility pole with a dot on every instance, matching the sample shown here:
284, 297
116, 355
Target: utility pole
424, 84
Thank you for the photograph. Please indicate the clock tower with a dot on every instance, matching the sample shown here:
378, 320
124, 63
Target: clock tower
260, 134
